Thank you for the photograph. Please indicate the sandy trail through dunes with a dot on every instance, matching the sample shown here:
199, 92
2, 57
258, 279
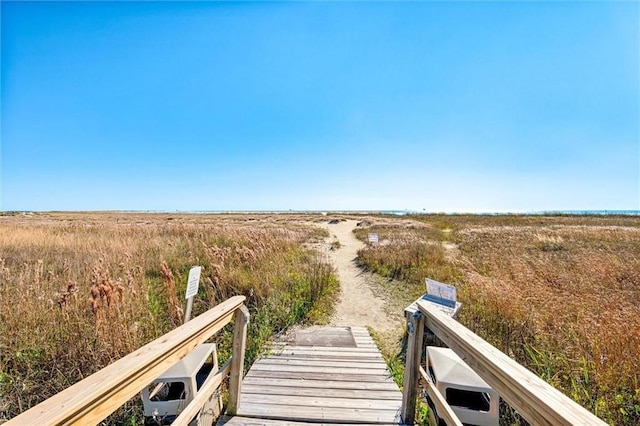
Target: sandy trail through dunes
358, 305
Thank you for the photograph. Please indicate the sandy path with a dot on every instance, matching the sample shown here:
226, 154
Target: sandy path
358, 305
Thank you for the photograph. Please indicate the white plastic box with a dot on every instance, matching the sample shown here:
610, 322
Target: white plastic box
470, 397
174, 389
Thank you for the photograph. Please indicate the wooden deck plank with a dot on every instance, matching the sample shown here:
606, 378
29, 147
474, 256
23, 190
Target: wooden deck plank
376, 357
327, 357
324, 353
304, 402
320, 376
336, 349
318, 369
262, 389
277, 361
332, 414
321, 384
248, 421
365, 342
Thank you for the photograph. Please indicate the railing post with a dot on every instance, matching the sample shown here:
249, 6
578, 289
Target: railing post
415, 330
237, 359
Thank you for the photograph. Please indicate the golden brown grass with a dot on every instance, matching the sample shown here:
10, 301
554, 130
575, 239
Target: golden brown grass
78, 291
559, 294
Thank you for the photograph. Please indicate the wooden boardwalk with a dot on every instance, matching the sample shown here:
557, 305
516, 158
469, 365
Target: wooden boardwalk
328, 375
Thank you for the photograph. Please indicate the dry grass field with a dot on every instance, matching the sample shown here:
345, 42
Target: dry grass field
559, 294
78, 291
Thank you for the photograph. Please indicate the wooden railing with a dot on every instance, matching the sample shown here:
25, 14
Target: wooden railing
94, 398
536, 400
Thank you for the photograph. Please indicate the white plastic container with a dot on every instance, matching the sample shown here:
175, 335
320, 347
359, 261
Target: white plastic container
167, 396
470, 397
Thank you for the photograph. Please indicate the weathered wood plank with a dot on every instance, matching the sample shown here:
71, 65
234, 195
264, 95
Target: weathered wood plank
259, 366
333, 414
319, 376
444, 409
278, 361
304, 402
263, 389
275, 348
203, 396
321, 370
362, 335
320, 384
248, 421
329, 331
312, 350
326, 356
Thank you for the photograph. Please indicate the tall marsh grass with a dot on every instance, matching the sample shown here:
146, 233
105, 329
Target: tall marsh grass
561, 295
78, 292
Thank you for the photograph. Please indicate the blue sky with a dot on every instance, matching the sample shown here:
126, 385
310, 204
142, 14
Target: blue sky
441, 106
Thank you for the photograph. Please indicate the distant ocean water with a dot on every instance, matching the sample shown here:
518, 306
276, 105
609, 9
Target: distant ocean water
595, 212
560, 212
541, 213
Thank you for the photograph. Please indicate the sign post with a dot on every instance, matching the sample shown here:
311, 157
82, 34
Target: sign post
192, 290
373, 238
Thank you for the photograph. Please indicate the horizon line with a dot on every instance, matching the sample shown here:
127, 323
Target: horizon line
585, 212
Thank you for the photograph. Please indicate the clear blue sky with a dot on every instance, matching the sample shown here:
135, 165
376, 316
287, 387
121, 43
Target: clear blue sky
442, 106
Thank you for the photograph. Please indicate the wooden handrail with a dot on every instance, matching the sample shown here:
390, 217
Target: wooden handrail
536, 400
444, 410
94, 398
202, 397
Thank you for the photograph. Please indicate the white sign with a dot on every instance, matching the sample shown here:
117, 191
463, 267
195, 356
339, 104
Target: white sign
443, 291
373, 238
194, 281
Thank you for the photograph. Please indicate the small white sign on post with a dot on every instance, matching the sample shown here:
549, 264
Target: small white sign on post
193, 282
443, 291
373, 238
192, 289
